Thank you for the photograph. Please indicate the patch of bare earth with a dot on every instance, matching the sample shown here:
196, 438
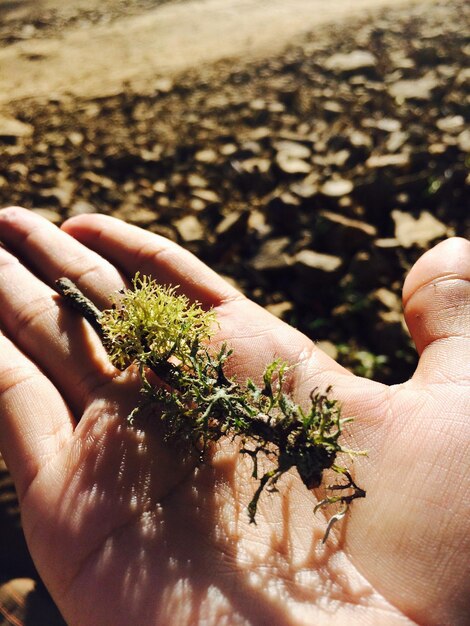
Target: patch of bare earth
134, 49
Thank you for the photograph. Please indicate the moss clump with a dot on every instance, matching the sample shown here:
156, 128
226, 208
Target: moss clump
150, 323
160, 331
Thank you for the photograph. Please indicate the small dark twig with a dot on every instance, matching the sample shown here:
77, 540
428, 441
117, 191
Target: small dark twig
77, 299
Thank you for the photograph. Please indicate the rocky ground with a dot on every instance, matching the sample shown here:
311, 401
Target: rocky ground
313, 180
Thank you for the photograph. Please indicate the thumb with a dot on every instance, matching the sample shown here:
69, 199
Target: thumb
436, 300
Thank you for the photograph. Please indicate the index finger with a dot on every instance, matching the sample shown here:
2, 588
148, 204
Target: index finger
132, 250
50, 254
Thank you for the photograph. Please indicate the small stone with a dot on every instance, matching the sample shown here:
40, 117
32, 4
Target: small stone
227, 149
189, 228
292, 165
206, 156
207, 195
163, 85
258, 104
328, 348
463, 78
252, 166
49, 214
276, 107
163, 202
382, 161
385, 124
99, 180
233, 226
142, 217
257, 223
438, 148
332, 108
197, 205
27, 32
280, 309
271, 255
292, 149
313, 265
419, 89
358, 139
452, 124
396, 141
385, 315
58, 196
160, 186
11, 128
306, 188
400, 61
358, 61
261, 132
152, 156
386, 299
337, 187
194, 180
386, 243
76, 139
81, 207
463, 141
388, 125
421, 231
250, 148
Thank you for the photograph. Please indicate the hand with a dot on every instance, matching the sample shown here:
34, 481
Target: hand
123, 532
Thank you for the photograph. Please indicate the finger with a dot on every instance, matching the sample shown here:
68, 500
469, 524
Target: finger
135, 250
51, 254
51, 334
436, 299
34, 420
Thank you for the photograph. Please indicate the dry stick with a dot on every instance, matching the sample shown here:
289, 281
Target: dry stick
77, 299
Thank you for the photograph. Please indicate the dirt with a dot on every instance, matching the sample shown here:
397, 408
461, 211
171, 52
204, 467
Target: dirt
88, 50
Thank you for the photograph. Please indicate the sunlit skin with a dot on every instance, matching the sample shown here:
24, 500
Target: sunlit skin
124, 530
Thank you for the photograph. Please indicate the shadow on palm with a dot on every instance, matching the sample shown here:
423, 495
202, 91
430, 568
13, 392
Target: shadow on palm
133, 510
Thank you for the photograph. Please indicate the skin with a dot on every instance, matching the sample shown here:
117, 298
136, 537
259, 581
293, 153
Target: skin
124, 530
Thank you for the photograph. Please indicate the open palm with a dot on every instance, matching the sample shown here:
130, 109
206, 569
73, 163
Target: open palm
124, 531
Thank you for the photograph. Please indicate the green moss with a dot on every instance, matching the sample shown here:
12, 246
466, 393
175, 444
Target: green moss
159, 331
150, 323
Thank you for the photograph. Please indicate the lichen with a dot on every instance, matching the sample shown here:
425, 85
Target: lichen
159, 331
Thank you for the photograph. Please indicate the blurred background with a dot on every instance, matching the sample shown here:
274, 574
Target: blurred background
309, 151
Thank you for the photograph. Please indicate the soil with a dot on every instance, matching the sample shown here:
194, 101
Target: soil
90, 49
